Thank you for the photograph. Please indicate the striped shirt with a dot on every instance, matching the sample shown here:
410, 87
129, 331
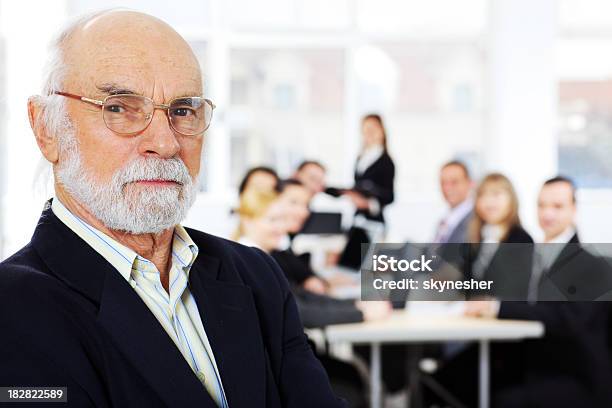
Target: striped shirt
176, 310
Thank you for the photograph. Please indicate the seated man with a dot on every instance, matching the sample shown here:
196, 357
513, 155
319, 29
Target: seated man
113, 298
311, 174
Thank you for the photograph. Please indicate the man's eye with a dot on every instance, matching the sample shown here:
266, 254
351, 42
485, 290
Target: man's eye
114, 108
183, 112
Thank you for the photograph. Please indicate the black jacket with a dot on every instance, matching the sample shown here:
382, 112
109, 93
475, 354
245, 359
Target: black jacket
315, 310
377, 182
295, 267
68, 318
321, 310
571, 365
510, 267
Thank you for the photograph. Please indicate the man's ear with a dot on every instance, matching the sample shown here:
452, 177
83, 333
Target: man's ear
47, 142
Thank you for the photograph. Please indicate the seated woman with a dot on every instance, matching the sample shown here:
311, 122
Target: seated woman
496, 224
259, 178
298, 271
263, 223
500, 250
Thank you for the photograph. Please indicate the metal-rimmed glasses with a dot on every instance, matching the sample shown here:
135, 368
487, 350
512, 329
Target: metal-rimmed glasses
129, 114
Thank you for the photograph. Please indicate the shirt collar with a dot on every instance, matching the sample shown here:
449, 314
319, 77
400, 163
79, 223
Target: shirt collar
455, 215
564, 237
122, 258
184, 250
491, 233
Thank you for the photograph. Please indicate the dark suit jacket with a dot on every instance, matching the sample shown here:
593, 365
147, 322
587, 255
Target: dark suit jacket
295, 267
377, 182
571, 365
575, 275
68, 318
321, 310
459, 234
510, 267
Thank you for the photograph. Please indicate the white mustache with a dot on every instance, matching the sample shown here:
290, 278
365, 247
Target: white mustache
153, 168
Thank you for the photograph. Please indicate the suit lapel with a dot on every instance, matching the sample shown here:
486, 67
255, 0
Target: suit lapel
231, 322
570, 250
143, 340
126, 318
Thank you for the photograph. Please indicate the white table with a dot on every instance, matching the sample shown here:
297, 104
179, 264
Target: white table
401, 327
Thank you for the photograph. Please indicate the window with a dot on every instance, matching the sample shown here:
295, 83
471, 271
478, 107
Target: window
286, 106
585, 92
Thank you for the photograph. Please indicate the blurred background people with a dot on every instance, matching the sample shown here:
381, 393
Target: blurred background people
374, 171
295, 197
259, 178
496, 217
572, 364
311, 174
496, 221
456, 186
263, 222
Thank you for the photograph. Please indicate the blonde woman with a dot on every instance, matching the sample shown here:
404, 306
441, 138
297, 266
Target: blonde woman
262, 220
496, 234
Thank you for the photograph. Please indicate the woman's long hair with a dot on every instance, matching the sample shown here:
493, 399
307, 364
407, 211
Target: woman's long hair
510, 221
253, 204
376, 117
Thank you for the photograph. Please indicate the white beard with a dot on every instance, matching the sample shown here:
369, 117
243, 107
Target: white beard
121, 204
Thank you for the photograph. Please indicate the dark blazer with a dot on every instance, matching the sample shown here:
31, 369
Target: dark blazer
377, 182
321, 310
575, 275
315, 310
459, 234
295, 267
572, 364
68, 318
510, 266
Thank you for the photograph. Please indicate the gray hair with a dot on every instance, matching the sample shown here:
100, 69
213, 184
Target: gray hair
52, 107
55, 70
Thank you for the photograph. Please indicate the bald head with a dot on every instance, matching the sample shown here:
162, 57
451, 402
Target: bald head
129, 50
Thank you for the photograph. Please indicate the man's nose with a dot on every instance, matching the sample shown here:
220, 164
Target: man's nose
158, 138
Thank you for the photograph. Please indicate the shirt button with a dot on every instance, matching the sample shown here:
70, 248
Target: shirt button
133, 283
201, 377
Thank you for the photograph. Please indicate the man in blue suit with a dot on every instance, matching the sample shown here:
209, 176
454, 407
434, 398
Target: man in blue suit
113, 298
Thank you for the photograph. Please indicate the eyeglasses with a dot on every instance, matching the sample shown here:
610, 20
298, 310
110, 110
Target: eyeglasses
128, 114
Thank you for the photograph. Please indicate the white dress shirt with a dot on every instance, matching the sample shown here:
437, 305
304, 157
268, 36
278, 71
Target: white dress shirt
176, 310
450, 221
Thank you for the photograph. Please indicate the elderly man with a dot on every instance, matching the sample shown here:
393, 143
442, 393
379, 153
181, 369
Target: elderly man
112, 298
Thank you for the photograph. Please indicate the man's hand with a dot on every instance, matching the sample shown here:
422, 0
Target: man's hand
481, 308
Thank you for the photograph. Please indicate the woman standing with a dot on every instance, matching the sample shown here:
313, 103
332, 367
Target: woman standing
374, 171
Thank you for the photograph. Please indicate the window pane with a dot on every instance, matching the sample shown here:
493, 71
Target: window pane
286, 106
431, 95
438, 18
585, 110
297, 14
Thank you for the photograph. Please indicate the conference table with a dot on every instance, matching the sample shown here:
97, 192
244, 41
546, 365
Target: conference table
407, 328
